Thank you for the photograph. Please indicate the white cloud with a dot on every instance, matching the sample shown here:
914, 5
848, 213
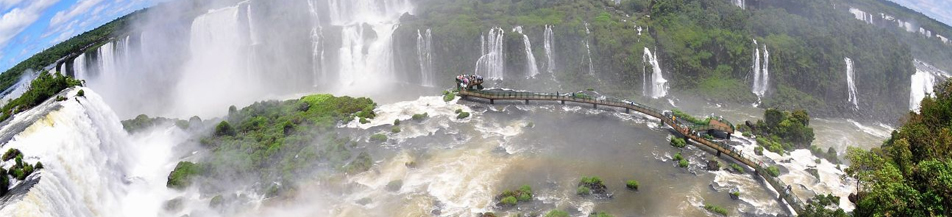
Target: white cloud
936, 9
18, 19
80, 8
7, 4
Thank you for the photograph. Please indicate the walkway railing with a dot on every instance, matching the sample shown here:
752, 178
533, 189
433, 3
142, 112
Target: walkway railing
690, 131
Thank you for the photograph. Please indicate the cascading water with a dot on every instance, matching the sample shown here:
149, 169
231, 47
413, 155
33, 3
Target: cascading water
107, 60
588, 51
659, 86
549, 40
850, 83
923, 83
79, 67
492, 62
761, 71
740, 3
361, 56
90, 168
318, 70
532, 69
425, 56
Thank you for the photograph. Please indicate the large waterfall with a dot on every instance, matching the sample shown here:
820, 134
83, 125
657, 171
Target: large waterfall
761, 71
532, 69
79, 66
492, 62
658, 85
319, 72
425, 56
548, 43
92, 167
366, 54
850, 83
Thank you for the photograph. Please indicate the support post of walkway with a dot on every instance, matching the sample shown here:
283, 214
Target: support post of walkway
492, 101
595, 105
527, 102
627, 110
718, 153
563, 102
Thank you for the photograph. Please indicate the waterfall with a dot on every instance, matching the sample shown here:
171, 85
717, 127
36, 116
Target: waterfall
761, 71
923, 83
425, 56
79, 67
492, 61
658, 86
740, 3
850, 83
549, 40
91, 167
588, 51
532, 69
106, 60
366, 54
318, 72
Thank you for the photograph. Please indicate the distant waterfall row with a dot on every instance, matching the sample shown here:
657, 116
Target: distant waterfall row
654, 86
761, 71
851, 84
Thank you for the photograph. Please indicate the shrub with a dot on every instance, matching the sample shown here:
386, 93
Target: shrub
735, 194
216, 201
745, 134
632, 184
181, 176
582, 190
525, 193
81, 93
459, 111
759, 150
683, 163
39, 165
678, 142
509, 201
11, 153
362, 163
715, 209
462, 115
363, 121
594, 180
378, 138
602, 214
395, 129
557, 213
224, 129
420, 117
678, 156
448, 96
737, 168
396, 122
773, 171
60, 98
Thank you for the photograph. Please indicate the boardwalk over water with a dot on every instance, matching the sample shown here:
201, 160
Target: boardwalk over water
689, 131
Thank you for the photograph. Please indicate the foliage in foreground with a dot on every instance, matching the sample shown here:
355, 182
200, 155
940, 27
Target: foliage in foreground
911, 173
823, 206
781, 130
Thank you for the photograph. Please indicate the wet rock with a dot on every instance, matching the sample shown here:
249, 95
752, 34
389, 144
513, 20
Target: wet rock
734, 193
173, 205
713, 165
364, 201
394, 185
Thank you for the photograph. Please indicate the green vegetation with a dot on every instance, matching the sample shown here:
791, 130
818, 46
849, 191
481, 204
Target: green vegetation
715, 209
678, 142
557, 213
759, 150
44, 87
735, 194
591, 185
420, 117
378, 138
20, 170
448, 96
395, 129
773, 171
631, 184
737, 168
600, 214
911, 173
395, 185
678, 156
686, 117
829, 155
143, 122
523, 194
823, 206
181, 177
460, 114
216, 201
782, 130
683, 163
278, 141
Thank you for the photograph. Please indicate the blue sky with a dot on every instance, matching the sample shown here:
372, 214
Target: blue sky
940, 10
29, 26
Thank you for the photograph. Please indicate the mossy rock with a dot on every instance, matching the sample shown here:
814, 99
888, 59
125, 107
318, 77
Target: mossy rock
181, 177
420, 117
462, 115
592, 185
216, 201
378, 138
632, 185
394, 185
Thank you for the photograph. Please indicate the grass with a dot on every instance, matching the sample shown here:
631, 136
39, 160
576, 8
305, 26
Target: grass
715, 209
632, 184
582, 190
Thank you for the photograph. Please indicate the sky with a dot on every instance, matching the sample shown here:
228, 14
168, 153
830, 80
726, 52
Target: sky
29, 26
940, 10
